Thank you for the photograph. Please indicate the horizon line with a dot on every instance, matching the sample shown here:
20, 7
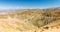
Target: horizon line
29, 8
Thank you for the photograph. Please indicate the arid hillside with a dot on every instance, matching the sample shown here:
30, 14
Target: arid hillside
30, 20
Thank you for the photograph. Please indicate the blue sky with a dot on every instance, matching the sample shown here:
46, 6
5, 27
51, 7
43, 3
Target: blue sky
15, 4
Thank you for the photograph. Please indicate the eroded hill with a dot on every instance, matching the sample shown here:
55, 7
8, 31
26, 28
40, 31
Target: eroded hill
28, 20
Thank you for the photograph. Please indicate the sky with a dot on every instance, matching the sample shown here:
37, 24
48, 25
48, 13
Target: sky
26, 4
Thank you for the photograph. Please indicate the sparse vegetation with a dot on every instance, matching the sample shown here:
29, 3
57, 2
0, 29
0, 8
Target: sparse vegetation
31, 18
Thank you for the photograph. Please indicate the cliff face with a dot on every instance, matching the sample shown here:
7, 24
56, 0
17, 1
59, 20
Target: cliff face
29, 20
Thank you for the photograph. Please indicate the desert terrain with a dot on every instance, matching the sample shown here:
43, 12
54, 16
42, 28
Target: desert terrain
30, 20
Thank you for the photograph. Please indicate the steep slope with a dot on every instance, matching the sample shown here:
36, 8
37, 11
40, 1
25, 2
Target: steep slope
52, 27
